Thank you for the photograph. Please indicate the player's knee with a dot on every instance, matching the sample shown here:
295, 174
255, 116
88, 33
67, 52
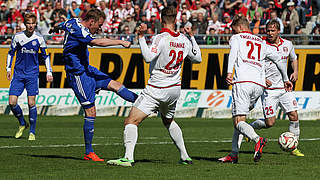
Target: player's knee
90, 112
31, 104
12, 103
269, 123
131, 120
293, 116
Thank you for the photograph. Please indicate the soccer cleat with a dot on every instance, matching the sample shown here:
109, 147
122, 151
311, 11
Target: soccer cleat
121, 162
185, 162
32, 137
296, 152
229, 159
258, 149
20, 131
92, 157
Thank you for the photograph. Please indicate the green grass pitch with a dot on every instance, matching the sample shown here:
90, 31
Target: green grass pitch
59, 147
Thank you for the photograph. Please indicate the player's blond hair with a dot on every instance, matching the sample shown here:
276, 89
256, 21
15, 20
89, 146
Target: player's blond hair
239, 19
274, 23
94, 14
29, 16
169, 15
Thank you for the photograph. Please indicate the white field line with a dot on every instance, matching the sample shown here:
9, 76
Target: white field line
142, 143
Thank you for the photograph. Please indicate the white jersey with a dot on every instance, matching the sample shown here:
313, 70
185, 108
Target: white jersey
166, 54
247, 56
286, 50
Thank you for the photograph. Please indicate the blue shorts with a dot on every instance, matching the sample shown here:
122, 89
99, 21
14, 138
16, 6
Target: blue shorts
85, 85
18, 83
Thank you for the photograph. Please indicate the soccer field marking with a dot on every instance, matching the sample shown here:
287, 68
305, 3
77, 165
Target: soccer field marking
141, 143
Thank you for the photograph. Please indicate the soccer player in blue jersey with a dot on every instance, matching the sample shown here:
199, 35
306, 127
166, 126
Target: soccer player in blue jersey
26, 72
83, 78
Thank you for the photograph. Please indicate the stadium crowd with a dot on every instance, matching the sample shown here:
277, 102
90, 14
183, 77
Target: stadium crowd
209, 19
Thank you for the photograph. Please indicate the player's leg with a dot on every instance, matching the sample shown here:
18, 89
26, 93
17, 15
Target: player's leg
15, 90
289, 105
103, 81
177, 137
84, 87
142, 108
32, 117
130, 137
122, 91
32, 88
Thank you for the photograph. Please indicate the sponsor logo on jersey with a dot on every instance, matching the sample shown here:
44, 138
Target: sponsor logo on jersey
215, 98
191, 99
28, 51
34, 43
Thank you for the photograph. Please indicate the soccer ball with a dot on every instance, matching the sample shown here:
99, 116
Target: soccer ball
288, 141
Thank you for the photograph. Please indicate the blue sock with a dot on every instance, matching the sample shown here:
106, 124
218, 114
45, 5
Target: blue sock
126, 94
88, 130
33, 118
17, 111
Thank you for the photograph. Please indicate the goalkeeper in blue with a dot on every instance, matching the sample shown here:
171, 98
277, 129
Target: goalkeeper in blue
84, 79
26, 72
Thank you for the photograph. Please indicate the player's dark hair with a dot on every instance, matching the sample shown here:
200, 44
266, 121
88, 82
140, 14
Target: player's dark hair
94, 14
274, 23
239, 19
168, 15
28, 16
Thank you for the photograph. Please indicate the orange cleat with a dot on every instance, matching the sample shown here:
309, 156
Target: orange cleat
92, 157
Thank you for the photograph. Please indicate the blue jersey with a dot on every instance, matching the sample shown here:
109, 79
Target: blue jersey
27, 48
75, 50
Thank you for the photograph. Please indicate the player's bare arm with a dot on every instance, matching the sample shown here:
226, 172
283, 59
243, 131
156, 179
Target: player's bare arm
9, 75
268, 83
294, 75
229, 79
109, 42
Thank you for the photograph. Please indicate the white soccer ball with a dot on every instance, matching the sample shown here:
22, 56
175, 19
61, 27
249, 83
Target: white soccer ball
288, 141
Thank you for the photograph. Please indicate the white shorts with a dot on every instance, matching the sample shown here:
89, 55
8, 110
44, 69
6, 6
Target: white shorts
271, 99
155, 99
244, 96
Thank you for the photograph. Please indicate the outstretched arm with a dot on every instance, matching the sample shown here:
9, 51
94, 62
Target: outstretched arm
234, 47
104, 42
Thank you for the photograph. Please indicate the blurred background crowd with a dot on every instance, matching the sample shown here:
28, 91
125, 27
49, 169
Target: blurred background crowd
209, 19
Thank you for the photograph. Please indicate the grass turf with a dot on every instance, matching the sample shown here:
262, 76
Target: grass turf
58, 150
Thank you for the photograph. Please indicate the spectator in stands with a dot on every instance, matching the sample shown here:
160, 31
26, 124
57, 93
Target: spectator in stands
302, 9
115, 23
252, 10
128, 10
183, 21
268, 10
155, 8
257, 25
214, 9
32, 9
290, 18
3, 27
137, 13
199, 9
86, 8
4, 12
215, 21
13, 15
194, 18
155, 24
301, 39
225, 39
73, 10
49, 10
201, 24
103, 7
184, 10
44, 26
58, 12
17, 29
211, 38
227, 21
128, 22
127, 35
315, 31
144, 20
273, 15
7, 38
229, 7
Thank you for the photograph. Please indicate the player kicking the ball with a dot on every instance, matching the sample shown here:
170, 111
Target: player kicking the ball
84, 79
166, 54
247, 55
275, 94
